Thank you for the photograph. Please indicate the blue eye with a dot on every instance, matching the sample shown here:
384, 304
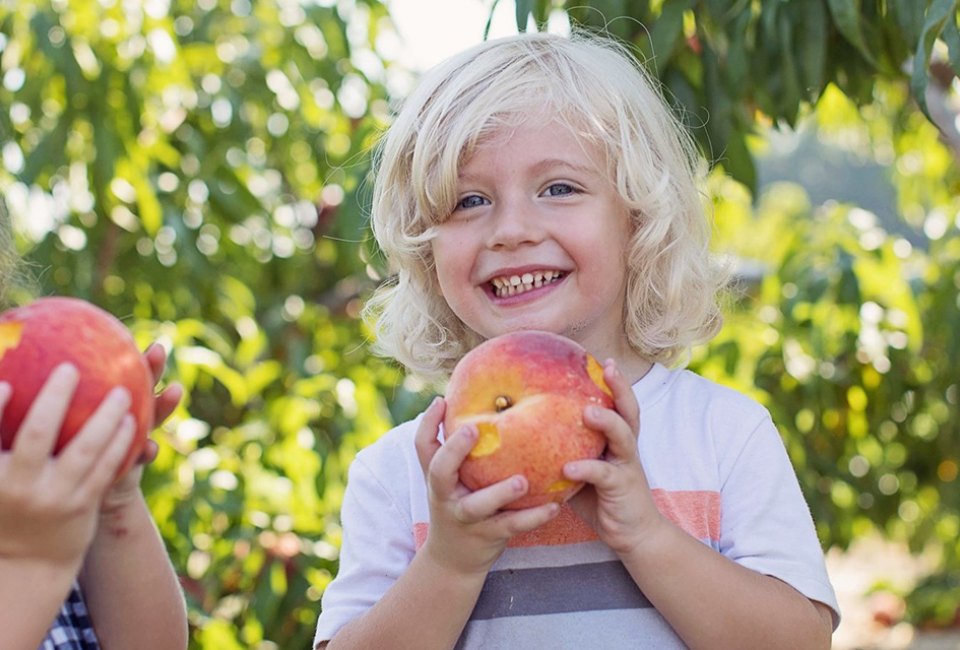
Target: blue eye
559, 189
472, 201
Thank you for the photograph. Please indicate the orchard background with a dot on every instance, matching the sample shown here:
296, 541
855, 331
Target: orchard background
200, 169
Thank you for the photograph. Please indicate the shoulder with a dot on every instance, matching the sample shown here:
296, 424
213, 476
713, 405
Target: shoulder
699, 428
391, 460
683, 388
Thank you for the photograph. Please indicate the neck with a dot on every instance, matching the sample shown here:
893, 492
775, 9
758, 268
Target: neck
631, 364
634, 368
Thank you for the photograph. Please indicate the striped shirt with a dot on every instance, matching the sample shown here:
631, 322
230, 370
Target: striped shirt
717, 468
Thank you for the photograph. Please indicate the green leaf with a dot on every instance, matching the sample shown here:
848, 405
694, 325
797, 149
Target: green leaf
47, 153
720, 8
909, 17
151, 212
738, 161
107, 146
790, 95
847, 16
667, 30
541, 12
486, 28
937, 15
951, 36
232, 196
261, 375
213, 363
237, 299
812, 25
738, 68
523, 10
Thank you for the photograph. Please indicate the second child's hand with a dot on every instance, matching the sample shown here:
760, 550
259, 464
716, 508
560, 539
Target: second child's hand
128, 487
49, 504
468, 530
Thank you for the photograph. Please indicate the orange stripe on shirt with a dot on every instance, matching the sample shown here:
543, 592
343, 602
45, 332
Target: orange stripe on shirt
566, 528
697, 512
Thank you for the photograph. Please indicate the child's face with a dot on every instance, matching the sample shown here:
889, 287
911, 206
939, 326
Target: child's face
537, 240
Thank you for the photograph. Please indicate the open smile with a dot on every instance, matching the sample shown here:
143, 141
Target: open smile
514, 285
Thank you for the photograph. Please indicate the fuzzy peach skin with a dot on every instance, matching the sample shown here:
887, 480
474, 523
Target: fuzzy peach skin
36, 338
525, 392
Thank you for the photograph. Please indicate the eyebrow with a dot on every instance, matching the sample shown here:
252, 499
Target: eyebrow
547, 164
550, 163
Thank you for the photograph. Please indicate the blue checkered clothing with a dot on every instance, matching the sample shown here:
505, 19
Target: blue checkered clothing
72, 630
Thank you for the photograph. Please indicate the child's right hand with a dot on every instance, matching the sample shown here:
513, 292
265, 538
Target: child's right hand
49, 505
468, 530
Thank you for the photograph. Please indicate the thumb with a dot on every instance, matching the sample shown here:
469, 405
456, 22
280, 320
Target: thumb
427, 436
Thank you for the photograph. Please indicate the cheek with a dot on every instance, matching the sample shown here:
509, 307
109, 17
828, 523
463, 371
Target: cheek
449, 270
452, 253
442, 260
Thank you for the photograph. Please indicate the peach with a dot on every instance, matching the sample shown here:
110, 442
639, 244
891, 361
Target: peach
525, 392
37, 337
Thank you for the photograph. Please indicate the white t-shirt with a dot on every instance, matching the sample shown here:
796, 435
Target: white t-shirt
717, 467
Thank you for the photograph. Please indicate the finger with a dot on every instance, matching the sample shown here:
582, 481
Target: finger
97, 434
6, 391
599, 473
167, 402
101, 472
487, 501
39, 430
149, 453
444, 470
621, 439
156, 356
426, 437
624, 400
515, 522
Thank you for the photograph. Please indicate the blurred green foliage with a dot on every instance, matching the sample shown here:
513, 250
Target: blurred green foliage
200, 169
196, 168
729, 64
850, 334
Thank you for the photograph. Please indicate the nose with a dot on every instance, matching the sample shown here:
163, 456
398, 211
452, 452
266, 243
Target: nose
515, 223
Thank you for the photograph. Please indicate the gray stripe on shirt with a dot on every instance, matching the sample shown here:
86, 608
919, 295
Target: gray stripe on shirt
526, 592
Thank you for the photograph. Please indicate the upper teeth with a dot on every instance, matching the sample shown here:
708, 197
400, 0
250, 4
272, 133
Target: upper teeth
514, 284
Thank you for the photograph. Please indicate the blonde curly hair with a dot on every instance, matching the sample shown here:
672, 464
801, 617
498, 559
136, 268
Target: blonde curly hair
14, 279
597, 88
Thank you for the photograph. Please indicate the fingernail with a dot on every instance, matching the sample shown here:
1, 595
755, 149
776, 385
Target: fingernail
66, 370
571, 470
517, 483
119, 395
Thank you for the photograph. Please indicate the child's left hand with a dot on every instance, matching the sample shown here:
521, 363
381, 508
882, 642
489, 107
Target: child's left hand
616, 501
128, 487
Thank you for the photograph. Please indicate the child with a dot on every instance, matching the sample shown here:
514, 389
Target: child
540, 182
71, 541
